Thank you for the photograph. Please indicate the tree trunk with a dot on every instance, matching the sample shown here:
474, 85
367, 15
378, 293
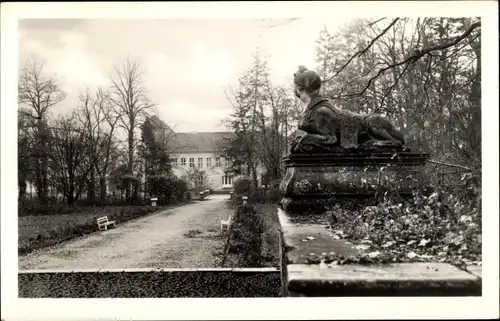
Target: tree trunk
102, 188
22, 188
475, 99
70, 197
130, 164
91, 186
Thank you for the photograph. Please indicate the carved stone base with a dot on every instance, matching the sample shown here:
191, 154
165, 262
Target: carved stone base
313, 180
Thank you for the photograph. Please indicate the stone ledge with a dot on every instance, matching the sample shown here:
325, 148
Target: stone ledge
149, 283
152, 270
306, 244
403, 279
309, 243
475, 270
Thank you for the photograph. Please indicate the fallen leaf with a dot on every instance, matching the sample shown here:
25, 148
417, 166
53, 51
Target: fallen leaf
424, 242
433, 196
465, 218
362, 247
472, 225
388, 244
412, 255
458, 240
373, 255
411, 242
310, 238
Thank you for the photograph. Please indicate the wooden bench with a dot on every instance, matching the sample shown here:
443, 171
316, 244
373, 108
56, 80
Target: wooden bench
204, 194
104, 222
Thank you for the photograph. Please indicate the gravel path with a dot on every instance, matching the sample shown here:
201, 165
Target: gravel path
183, 237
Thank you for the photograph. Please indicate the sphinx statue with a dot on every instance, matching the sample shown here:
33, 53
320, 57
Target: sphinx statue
325, 128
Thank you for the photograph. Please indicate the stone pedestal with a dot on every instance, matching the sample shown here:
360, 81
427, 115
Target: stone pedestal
313, 180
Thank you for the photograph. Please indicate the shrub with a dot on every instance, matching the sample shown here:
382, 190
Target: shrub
169, 189
270, 195
242, 185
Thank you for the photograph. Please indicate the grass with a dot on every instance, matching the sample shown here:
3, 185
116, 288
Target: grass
39, 231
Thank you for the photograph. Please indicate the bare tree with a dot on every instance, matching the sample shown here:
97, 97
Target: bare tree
39, 94
99, 121
131, 105
69, 151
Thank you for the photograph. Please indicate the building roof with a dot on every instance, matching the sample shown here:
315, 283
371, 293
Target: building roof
193, 142
205, 142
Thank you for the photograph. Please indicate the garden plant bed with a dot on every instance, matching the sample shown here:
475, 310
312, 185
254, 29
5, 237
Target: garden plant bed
39, 231
263, 229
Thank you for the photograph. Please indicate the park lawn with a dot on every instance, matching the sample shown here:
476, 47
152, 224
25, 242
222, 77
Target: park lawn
38, 231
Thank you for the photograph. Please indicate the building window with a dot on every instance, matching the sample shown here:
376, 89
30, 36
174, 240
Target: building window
200, 162
191, 162
217, 161
174, 162
209, 161
226, 162
183, 161
227, 180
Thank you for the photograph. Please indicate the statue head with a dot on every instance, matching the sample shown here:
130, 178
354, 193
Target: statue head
307, 83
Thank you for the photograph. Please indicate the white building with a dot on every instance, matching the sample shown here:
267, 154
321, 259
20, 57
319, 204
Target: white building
200, 150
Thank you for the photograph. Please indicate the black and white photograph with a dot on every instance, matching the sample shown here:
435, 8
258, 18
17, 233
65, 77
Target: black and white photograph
302, 155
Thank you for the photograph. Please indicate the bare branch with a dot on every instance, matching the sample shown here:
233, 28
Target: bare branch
281, 23
376, 21
450, 165
362, 51
462, 47
416, 56
392, 87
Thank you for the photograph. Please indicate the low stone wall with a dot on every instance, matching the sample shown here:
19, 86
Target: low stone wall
149, 283
305, 248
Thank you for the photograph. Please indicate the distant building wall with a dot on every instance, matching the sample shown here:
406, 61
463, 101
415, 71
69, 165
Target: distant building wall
217, 169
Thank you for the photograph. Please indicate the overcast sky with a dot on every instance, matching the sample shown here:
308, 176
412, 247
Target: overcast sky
187, 64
